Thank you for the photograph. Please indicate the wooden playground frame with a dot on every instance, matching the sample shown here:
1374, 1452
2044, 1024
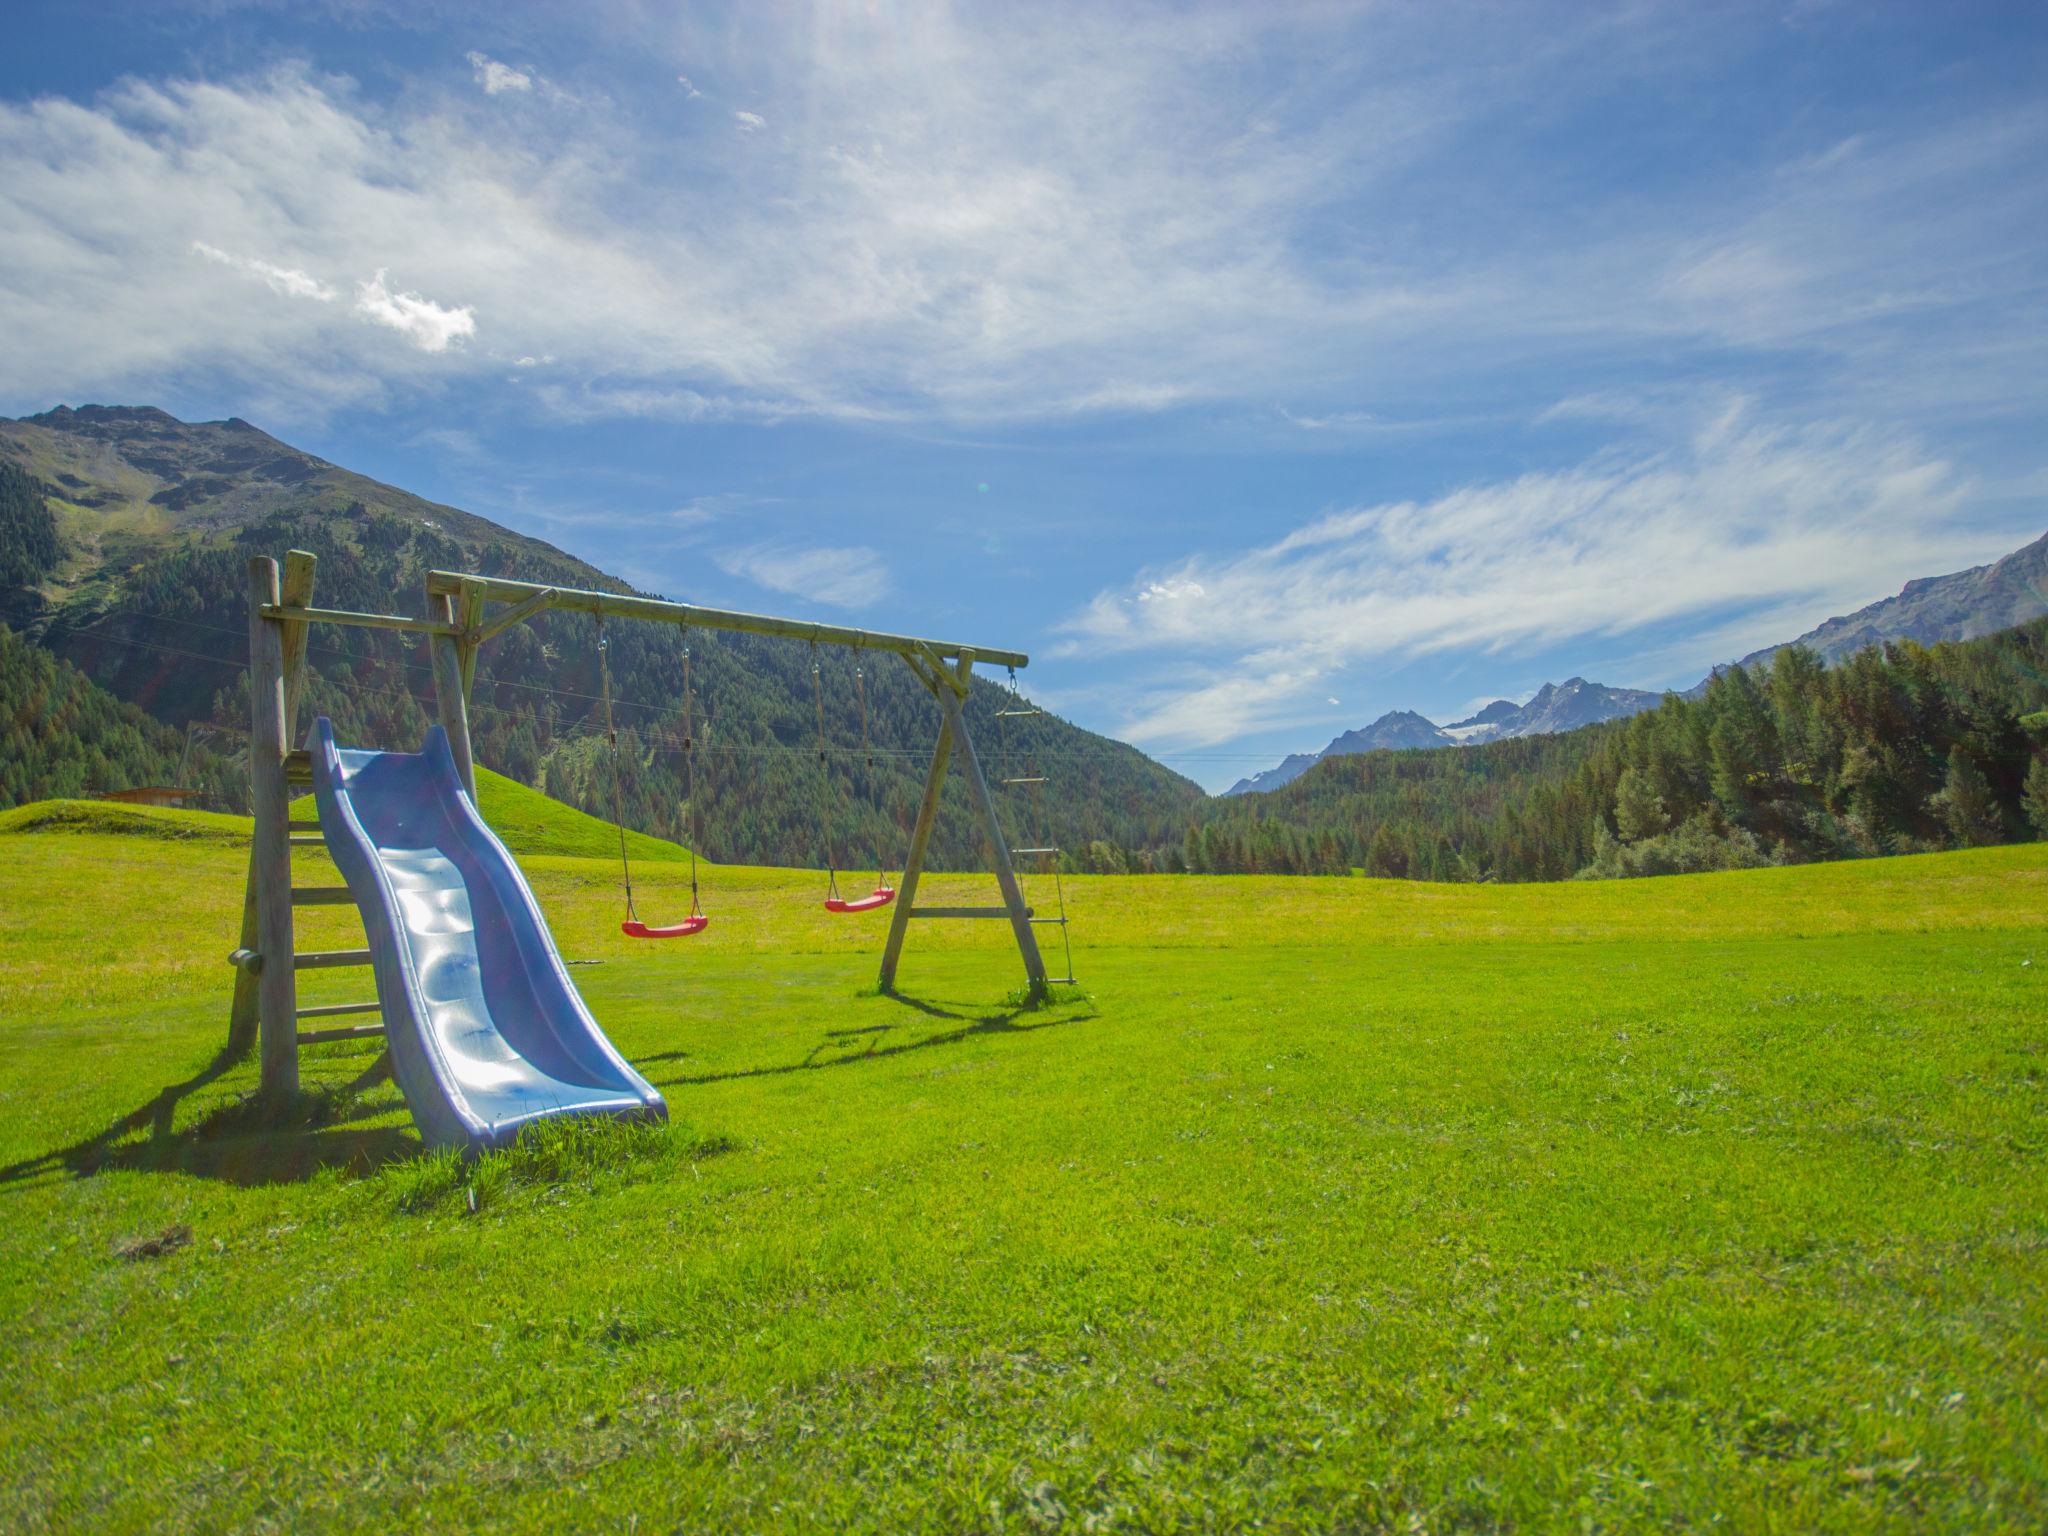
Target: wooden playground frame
459, 621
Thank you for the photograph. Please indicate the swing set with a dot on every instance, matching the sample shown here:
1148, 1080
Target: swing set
466, 611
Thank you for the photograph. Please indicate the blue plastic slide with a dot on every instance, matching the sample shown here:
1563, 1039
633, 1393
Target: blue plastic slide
487, 1033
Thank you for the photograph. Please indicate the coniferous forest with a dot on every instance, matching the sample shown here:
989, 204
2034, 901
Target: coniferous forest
1901, 748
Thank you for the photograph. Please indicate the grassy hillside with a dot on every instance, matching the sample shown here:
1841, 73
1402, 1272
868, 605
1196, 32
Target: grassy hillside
1326, 1205
157, 519
528, 822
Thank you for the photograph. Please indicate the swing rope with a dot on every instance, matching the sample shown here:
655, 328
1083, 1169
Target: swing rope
690, 776
860, 687
604, 669
825, 770
632, 926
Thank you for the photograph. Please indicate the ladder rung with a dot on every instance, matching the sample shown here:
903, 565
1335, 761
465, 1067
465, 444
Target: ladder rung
1055, 922
345, 1032
963, 911
1023, 852
322, 896
298, 767
1061, 981
1015, 714
302, 826
1020, 781
308, 840
327, 959
336, 1010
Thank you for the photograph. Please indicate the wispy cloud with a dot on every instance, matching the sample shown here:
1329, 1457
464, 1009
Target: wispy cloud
497, 78
1005, 213
429, 326
846, 578
289, 281
1744, 519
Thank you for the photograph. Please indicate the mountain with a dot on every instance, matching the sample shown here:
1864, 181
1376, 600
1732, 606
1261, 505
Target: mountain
1392, 731
1291, 767
1565, 706
1556, 707
144, 591
1979, 601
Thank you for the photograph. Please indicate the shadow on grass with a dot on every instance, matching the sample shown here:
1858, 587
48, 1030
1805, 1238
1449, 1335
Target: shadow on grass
245, 1141
1013, 1020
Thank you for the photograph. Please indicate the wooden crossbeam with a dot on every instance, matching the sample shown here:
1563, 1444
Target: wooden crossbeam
397, 621
620, 605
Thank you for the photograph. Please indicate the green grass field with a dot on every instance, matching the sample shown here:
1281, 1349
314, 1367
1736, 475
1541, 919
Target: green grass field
1712, 1202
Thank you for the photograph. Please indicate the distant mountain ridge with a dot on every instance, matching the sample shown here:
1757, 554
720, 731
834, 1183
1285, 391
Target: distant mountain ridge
1983, 600
1562, 706
1980, 601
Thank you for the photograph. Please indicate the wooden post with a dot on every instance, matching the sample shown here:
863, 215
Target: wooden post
451, 697
951, 701
270, 851
913, 861
469, 614
297, 593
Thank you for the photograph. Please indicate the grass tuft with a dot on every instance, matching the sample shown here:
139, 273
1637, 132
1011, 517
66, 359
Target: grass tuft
583, 1154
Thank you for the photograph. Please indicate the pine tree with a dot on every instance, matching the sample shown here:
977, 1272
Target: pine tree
2035, 796
1638, 808
1965, 803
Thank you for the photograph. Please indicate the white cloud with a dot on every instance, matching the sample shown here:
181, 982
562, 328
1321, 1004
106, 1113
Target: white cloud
1332, 421
495, 77
289, 281
1744, 518
690, 92
427, 325
845, 578
1020, 213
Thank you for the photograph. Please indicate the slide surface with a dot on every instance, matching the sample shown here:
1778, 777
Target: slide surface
486, 1031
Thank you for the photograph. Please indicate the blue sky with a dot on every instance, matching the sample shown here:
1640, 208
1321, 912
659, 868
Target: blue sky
1260, 369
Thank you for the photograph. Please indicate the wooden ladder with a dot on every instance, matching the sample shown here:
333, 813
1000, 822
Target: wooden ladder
248, 959
1030, 782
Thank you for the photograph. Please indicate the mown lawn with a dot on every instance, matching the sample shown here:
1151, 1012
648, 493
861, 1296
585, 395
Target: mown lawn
1323, 1204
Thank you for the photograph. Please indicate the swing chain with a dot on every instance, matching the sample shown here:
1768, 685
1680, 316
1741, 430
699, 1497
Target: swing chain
690, 774
825, 769
604, 669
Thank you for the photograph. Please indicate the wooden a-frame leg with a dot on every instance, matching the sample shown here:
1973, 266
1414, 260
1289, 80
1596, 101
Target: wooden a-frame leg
913, 861
999, 848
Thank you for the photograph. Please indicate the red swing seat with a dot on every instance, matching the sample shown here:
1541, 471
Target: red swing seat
635, 929
883, 895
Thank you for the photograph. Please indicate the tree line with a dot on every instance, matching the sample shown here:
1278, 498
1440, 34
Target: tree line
1901, 748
